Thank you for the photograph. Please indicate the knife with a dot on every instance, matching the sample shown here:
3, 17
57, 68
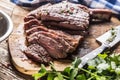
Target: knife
108, 40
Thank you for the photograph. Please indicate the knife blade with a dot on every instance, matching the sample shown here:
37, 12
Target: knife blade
104, 39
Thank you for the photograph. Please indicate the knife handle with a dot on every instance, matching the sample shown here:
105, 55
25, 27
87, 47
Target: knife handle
92, 54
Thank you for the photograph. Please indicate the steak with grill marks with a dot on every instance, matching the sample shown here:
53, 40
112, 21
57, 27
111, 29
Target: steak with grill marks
65, 22
66, 15
38, 53
69, 15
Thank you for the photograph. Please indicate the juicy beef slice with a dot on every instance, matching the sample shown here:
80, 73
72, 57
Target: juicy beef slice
73, 40
66, 15
38, 53
32, 23
35, 29
28, 18
71, 32
66, 46
54, 48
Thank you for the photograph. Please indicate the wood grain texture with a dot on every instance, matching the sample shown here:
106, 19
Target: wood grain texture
7, 70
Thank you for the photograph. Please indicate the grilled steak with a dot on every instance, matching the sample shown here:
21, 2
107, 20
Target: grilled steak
66, 15
38, 53
55, 41
53, 31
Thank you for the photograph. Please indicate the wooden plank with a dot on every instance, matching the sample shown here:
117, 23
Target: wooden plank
7, 7
7, 71
18, 15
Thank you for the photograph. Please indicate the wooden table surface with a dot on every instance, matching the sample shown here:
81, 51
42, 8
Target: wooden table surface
7, 70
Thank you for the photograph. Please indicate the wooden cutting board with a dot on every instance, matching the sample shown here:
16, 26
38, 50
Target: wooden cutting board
17, 40
7, 71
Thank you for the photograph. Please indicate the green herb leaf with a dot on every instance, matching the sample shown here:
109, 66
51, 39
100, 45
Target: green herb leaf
67, 71
81, 77
74, 73
101, 78
113, 35
50, 76
41, 73
60, 77
103, 56
36, 76
76, 63
56, 78
52, 67
91, 67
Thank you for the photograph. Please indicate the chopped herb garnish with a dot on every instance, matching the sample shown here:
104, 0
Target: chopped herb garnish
113, 35
103, 67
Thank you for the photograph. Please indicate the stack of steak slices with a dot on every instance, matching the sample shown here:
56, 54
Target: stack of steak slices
67, 23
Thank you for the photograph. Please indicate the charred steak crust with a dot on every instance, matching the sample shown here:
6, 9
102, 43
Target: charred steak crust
66, 15
38, 53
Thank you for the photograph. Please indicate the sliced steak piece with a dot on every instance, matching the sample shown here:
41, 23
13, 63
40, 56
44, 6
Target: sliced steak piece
66, 15
31, 23
66, 46
38, 53
73, 40
54, 48
28, 18
35, 29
